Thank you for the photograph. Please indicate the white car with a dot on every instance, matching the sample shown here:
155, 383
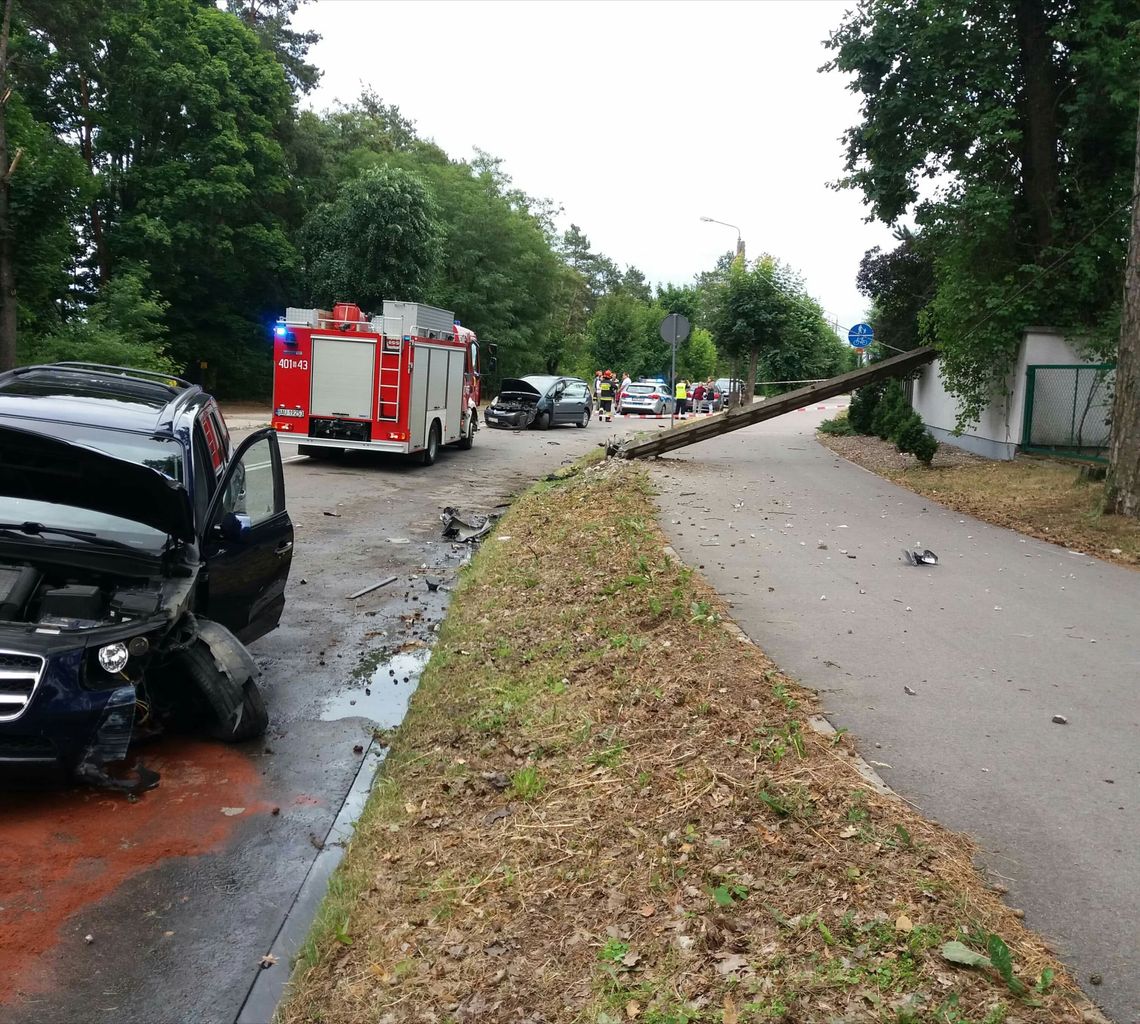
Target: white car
646, 399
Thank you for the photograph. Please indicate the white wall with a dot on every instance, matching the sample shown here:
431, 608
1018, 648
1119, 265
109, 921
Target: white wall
997, 434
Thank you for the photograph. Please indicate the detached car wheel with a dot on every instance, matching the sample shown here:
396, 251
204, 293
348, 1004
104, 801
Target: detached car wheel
234, 713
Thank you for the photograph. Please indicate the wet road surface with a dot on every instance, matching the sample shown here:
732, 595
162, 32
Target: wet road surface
1002, 635
160, 910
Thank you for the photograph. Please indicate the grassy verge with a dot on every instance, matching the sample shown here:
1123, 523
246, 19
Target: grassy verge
1039, 497
603, 808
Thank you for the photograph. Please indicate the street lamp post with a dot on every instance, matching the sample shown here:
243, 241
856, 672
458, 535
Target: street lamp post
739, 256
722, 223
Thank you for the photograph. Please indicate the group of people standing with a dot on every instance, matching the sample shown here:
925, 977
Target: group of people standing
608, 391
703, 396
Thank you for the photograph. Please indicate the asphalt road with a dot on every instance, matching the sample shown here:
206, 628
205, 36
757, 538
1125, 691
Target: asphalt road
160, 910
1004, 634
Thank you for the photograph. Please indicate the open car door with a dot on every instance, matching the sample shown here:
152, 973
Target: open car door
247, 543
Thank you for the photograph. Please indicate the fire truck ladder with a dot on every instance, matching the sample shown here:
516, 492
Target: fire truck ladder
388, 399
745, 416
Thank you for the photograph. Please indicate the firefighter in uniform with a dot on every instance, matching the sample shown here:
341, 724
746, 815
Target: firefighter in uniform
606, 393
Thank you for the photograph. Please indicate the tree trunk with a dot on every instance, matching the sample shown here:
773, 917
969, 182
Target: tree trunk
87, 147
7, 241
1122, 492
1039, 119
750, 383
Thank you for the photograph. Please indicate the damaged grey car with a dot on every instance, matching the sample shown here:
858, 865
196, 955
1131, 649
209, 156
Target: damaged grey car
139, 552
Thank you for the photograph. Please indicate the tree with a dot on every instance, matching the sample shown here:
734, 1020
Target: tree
1122, 490
194, 180
748, 311
124, 326
8, 318
1022, 110
698, 356
617, 333
379, 238
270, 19
900, 283
683, 299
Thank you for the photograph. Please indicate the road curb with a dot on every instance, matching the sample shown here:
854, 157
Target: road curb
268, 986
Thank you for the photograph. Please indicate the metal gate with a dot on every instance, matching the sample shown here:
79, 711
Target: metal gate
1068, 409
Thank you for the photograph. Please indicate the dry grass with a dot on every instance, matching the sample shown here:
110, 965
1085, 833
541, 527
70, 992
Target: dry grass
586, 818
1039, 497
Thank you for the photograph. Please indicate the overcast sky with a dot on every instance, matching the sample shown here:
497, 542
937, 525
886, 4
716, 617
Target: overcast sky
638, 118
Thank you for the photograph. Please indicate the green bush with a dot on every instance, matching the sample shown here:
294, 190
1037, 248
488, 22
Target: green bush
891, 411
862, 408
913, 437
839, 426
925, 447
905, 426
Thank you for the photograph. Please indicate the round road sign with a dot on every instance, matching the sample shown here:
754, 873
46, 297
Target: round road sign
861, 335
675, 329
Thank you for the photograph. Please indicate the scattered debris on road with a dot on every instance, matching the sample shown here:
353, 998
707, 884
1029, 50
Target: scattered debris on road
926, 557
909, 692
1060, 720
465, 528
371, 587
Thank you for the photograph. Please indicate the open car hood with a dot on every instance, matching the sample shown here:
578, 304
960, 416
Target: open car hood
518, 386
43, 468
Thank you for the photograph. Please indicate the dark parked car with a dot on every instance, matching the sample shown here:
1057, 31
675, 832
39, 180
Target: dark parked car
540, 402
138, 552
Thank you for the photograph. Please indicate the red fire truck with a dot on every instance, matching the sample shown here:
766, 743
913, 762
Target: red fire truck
405, 381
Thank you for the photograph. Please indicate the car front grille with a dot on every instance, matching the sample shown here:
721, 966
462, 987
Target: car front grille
20, 674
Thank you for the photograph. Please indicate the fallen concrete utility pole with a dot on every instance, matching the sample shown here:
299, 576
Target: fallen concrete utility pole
745, 416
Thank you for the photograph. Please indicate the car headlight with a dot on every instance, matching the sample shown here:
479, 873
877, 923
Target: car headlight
113, 658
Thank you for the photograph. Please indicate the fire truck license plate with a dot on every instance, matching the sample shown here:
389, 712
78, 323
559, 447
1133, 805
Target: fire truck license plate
289, 412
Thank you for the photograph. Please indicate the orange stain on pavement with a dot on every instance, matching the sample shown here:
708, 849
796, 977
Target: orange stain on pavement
63, 850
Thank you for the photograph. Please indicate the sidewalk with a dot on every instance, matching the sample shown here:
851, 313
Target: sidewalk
245, 415
1004, 634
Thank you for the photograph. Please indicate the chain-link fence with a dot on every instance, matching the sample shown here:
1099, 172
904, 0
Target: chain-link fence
1068, 409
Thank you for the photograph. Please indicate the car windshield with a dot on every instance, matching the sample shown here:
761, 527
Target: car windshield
163, 454
68, 517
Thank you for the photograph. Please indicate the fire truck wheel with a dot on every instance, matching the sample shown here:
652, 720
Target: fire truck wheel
543, 421
429, 454
468, 439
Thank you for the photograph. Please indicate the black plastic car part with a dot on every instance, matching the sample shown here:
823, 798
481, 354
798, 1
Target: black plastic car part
16, 588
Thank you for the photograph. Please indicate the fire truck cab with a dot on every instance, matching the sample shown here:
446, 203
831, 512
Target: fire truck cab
406, 381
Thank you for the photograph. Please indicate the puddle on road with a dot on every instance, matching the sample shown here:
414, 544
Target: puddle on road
381, 696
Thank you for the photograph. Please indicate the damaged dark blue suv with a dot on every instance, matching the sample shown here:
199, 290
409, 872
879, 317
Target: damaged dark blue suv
139, 551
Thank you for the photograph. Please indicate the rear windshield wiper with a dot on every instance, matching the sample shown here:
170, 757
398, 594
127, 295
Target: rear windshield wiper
37, 529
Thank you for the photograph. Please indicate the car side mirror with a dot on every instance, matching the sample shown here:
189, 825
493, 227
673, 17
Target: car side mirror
234, 526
